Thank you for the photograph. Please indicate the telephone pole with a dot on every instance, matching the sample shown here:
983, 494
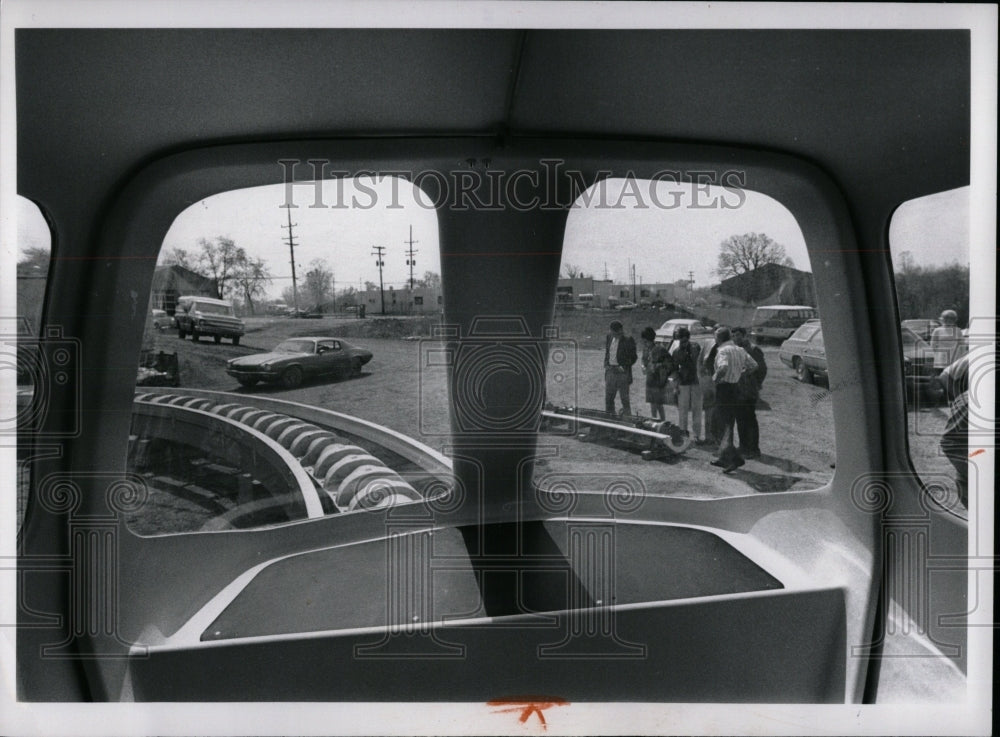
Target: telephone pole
380, 263
290, 240
410, 261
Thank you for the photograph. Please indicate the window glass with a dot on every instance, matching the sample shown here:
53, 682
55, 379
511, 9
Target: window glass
929, 242
784, 434
21, 335
239, 420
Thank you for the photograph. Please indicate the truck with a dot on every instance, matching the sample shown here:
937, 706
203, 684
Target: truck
207, 316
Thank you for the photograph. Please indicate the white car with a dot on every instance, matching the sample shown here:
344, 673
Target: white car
665, 333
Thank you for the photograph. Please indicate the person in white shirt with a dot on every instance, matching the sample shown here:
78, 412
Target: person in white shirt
946, 341
731, 362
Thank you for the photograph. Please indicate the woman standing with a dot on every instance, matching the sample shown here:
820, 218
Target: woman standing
657, 366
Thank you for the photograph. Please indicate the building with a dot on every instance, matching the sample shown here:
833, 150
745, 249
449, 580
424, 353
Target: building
599, 291
416, 301
173, 281
771, 284
657, 292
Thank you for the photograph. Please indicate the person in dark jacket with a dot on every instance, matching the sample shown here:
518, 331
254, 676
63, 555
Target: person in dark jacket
619, 355
657, 365
746, 413
713, 427
687, 360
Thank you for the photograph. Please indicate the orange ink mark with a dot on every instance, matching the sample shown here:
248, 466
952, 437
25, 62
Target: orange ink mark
974, 453
527, 705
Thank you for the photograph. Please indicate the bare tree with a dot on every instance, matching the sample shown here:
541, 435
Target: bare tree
221, 259
34, 262
431, 279
318, 284
178, 257
739, 254
574, 272
251, 278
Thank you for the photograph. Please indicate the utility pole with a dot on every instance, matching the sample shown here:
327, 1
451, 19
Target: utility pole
690, 280
410, 261
290, 240
380, 263
633, 283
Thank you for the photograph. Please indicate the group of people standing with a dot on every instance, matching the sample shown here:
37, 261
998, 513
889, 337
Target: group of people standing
724, 384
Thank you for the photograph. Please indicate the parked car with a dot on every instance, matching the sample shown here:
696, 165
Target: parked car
624, 306
922, 326
207, 316
805, 353
161, 320
778, 322
297, 359
665, 333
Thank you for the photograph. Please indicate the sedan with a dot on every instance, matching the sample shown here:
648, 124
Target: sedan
805, 353
666, 332
297, 359
161, 320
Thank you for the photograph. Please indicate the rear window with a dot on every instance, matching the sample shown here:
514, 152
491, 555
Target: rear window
714, 266
260, 429
213, 309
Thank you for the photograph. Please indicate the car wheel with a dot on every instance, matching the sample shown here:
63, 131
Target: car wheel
355, 367
801, 371
247, 382
195, 335
181, 334
218, 339
291, 377
236, 340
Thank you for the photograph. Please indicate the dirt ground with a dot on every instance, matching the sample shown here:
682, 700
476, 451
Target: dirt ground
398, 389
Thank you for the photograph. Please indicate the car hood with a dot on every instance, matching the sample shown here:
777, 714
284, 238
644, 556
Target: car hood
261, 358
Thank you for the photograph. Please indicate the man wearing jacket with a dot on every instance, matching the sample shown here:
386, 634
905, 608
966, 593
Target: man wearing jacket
619, 355
746, 412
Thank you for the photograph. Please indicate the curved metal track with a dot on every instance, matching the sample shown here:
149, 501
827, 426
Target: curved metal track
345, 475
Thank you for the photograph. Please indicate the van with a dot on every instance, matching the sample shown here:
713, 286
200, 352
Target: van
778, 322
207, 316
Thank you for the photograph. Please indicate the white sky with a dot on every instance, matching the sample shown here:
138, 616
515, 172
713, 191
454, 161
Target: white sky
343, 236
668, 236
665, 242
935, 228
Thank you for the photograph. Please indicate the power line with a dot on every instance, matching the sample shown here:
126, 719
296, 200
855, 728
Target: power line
377, 251
410, 261
291, 252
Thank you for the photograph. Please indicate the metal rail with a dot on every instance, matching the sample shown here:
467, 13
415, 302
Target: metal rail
345, 475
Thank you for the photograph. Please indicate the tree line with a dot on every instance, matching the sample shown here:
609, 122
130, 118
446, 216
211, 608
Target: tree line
238, 276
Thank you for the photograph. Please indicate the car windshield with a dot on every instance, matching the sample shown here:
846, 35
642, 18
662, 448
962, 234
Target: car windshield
213, 309
294, 346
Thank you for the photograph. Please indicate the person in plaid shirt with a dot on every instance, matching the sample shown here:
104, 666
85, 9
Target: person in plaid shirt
955, 439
